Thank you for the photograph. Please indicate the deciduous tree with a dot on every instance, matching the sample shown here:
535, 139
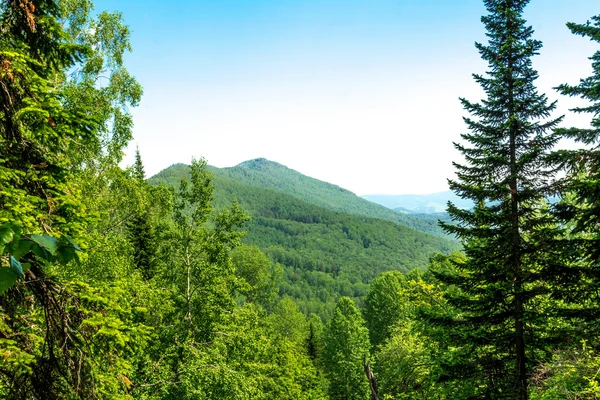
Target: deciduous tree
346, 349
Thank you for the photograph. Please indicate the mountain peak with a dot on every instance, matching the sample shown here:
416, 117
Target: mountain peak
260, 164
265, 174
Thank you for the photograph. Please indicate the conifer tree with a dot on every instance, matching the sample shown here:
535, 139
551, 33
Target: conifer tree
141, 230
581, 192
38, 134
507, 235
138, 167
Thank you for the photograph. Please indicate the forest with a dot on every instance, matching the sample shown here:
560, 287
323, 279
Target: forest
255, 282
323, 253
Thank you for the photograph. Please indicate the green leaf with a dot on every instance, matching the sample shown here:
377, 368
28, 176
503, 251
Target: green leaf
67, 250
47, 243
7, 279
66, 254
20, 248
70, 242
16, 229
15, 265
6, 234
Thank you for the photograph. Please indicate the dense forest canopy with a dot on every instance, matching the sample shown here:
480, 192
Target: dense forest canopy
256, 282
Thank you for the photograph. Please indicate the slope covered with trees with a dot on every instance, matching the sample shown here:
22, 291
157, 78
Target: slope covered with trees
324, 253
267, 174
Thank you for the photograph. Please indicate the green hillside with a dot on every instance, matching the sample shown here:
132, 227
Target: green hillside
438, 216
325, 254
267, 174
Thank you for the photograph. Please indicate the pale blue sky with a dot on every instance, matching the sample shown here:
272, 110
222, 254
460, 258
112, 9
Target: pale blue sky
359, 93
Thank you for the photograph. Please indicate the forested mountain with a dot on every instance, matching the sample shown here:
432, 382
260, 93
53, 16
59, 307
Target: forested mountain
438, 216
324, 253
267, 174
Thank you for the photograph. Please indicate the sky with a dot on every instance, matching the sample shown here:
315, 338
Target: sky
360, 93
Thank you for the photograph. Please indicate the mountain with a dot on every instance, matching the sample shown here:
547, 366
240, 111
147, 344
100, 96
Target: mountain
436, 216
266, 174
419, 203
325, 253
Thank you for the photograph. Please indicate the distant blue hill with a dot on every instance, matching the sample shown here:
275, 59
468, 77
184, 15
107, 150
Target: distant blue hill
419, 203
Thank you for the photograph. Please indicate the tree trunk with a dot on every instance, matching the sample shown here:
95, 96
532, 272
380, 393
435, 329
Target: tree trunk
188, 289
372, 380
521, 371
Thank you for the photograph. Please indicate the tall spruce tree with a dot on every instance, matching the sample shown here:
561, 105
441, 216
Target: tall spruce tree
141, 230
581, 204
138, 167
507, 236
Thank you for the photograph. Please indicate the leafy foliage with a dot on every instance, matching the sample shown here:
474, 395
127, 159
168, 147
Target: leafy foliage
260, 277
346, 349
384, 306
15, 246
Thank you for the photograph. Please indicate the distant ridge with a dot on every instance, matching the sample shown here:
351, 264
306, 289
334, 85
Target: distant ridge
420, 203
260, 164
271, 175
